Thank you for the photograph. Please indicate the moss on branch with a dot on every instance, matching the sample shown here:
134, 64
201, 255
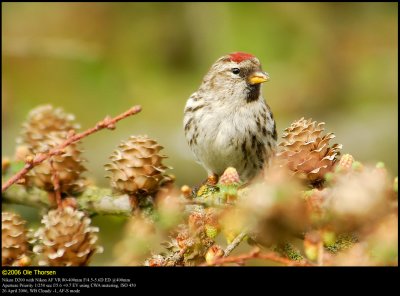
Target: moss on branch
93, 200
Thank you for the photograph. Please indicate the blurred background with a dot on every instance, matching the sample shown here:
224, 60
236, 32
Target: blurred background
336, 63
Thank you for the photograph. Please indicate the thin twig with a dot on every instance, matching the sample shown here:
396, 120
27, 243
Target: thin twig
205, 204
256, 254
56, 183
320, 259
107, 122
234, 243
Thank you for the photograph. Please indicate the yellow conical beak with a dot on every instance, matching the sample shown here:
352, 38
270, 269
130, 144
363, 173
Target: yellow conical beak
258, 77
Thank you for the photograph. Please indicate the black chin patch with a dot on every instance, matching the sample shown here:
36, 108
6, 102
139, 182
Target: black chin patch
253, 93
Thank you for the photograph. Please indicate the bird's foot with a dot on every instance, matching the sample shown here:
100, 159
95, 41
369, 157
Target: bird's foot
212, 180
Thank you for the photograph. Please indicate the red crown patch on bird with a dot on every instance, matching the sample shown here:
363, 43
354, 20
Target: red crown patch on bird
240, 56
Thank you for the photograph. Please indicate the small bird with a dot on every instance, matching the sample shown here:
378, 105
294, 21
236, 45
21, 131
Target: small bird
227, 123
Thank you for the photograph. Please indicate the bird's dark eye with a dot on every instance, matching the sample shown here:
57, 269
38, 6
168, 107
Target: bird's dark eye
235, 70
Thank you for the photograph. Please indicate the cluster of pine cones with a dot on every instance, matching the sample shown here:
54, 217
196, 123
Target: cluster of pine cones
308, 186
135, 168
66, 237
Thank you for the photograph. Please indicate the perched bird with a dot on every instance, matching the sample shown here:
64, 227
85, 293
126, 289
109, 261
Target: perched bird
227, 123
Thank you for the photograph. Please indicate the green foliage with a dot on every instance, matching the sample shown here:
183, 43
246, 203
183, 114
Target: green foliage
343, 242
290, 252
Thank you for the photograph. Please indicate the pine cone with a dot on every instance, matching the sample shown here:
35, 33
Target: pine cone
43, 120
345, 163
136, 167
357, 197
14, 241
45, 129
306, 152
68, 166
66, 238
229, 177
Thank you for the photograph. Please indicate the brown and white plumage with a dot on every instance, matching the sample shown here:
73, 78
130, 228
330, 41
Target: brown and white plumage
227, 123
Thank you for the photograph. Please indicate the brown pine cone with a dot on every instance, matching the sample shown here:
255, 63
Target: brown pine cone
136, 167
66, 238
68, 166
43, 120
46, 128
229, 177
14, 241
306, 152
